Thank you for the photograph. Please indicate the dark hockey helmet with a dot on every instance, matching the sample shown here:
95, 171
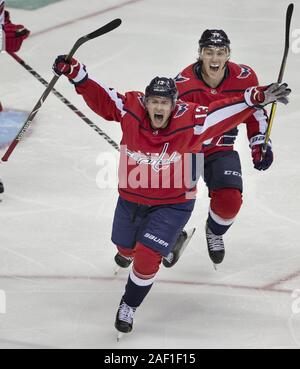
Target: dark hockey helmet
163, 87
214, 37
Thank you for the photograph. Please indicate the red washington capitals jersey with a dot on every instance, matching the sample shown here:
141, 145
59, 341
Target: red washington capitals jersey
236, 80
153, 169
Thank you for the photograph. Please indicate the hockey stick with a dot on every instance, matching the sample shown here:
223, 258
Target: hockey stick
289, 13
65, 101
101, 31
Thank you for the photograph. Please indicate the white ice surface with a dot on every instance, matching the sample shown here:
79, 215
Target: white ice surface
56, 257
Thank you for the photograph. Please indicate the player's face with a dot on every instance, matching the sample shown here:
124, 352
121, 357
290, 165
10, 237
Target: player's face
213, 61
159, 110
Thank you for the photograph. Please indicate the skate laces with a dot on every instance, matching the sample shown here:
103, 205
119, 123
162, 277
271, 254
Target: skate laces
126, 313
215, 242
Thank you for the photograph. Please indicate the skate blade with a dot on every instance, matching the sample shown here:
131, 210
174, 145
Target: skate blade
215, 267
190, 234
119, 336
116, 270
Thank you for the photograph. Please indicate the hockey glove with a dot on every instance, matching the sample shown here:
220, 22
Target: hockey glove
262, 95
15, 34
261, 162
75, 71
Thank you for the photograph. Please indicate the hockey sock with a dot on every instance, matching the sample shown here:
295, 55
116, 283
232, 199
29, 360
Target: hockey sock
145, 266
124, 251
224, 206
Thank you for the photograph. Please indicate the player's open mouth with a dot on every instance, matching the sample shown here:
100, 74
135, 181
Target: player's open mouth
159, 117
214, 67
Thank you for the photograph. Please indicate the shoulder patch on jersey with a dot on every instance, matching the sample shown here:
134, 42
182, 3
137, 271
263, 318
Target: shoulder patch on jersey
182, 108
245, 72
180, 78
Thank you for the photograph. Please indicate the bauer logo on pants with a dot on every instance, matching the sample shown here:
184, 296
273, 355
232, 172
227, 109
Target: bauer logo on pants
156, 239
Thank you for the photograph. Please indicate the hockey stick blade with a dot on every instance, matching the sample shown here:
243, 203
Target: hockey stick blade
289, 13
288, 18
105, 29
101, 31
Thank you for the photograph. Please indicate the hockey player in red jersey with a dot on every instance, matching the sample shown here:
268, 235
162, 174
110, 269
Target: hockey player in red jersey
11, 39
11, 35
211, 78
158, 135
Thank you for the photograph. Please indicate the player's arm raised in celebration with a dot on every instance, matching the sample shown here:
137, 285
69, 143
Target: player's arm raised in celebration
104, 101
225, 114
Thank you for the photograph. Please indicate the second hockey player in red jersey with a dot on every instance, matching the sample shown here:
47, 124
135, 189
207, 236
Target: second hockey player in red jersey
158, 131
12, 35
11, 38
214, 77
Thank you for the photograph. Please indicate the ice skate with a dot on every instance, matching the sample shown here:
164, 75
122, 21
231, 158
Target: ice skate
182, 242
122, 262
215, 246
124, 319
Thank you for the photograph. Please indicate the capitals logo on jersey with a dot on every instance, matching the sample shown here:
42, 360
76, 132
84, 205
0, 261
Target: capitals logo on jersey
179, 78
182, 108
245, 72
158, 161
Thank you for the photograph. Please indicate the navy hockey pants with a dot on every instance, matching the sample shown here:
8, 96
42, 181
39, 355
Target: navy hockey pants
157, 227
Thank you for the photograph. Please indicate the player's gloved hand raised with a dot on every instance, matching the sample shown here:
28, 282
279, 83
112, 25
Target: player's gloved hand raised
15, 34
75, 71
261, 162
262, 95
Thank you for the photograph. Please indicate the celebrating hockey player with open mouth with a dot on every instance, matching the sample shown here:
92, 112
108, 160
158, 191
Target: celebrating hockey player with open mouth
158, 131
214, 77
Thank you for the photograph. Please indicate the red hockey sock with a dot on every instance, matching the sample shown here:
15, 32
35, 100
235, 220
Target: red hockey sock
146, 261
141, 277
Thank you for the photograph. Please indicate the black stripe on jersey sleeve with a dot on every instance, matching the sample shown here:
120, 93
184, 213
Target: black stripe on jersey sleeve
134, 116
190, 91
230, 91
178, 130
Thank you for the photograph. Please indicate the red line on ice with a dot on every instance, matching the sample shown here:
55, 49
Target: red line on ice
106, 10
268, 288
285, 279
